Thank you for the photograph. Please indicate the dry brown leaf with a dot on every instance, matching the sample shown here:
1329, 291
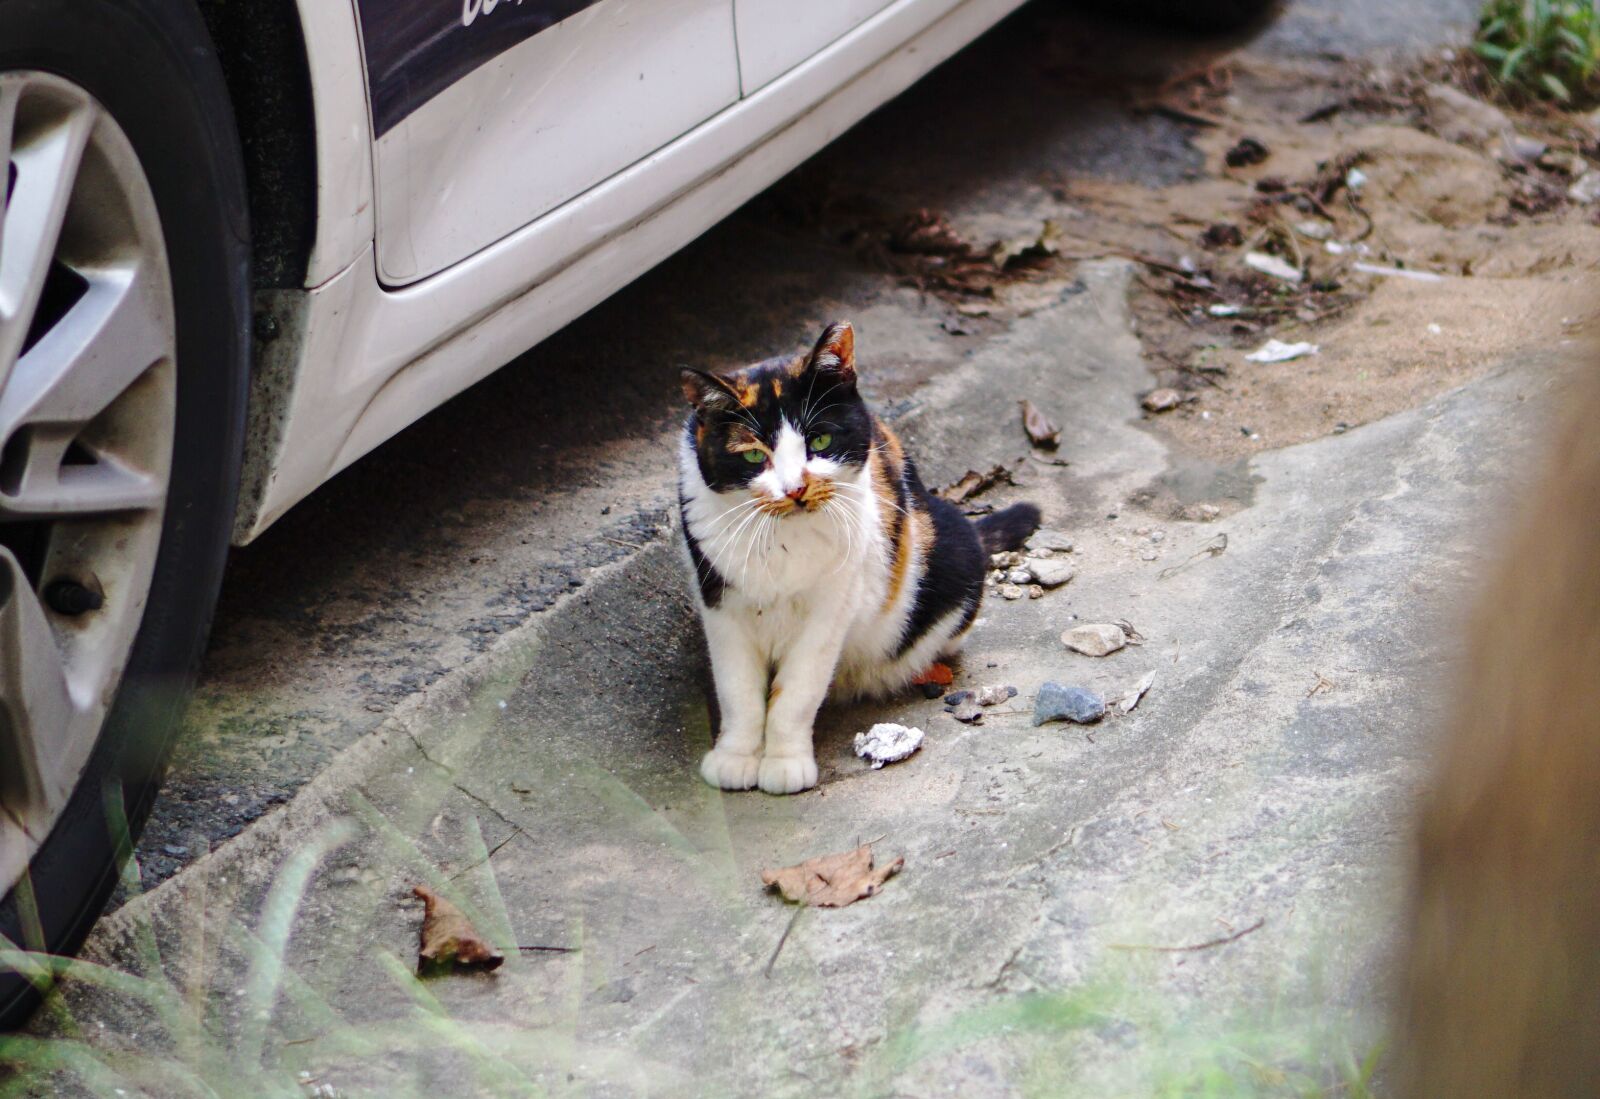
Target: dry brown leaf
832, 881
972, 483
1041, 432
449, 939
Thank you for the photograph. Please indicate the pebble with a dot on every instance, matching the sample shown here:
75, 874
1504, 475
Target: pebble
1052, 540
1148, 555
1005, 560
969, 713
1272, 265
1011, 591
1058, 703
1020, 576
1052, 572
993, 696
1034, 591
887, 742
1459, 117
1162, 400
1201, 513
956, 698
1518, 148
1095, 639
1586, 189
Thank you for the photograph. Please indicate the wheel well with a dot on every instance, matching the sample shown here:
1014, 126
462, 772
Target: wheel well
262, 49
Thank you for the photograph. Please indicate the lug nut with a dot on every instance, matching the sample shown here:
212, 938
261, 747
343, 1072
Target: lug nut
71, 598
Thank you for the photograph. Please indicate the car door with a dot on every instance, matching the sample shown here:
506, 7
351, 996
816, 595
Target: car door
776, 35
489, 113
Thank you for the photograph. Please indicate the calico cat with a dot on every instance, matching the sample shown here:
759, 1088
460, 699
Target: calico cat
820, 559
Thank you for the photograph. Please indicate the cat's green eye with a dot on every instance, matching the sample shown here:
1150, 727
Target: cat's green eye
754, 457
819, 442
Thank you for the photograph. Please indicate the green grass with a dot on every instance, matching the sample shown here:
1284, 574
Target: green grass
1545, 49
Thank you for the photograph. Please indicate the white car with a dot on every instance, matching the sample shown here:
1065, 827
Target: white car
245, 242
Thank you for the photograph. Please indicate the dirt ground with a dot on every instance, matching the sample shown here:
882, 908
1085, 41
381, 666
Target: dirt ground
1470, 195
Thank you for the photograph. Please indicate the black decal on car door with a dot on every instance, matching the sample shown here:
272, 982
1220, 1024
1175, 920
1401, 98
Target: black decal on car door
417, 48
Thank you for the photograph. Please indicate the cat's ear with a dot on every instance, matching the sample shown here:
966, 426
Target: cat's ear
835, 353
707, 392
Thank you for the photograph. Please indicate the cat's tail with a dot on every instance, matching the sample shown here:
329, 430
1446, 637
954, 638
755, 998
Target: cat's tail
1007, 528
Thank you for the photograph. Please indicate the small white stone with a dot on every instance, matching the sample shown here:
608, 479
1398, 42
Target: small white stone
1095, 639
1053, 572
1020, 576
1050, 540
1011, 591
1272, 265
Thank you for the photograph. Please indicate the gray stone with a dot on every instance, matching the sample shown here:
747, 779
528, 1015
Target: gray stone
968, 712
1095, 639
1052, 540
1052, 572
1459, 117
1058, 703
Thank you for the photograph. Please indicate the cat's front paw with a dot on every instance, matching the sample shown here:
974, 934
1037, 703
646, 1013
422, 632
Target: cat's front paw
727, 770
787, 774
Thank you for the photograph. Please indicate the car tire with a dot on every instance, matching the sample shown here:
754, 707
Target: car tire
150, 67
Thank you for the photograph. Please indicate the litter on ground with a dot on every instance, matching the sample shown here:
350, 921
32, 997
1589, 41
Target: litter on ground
887, 742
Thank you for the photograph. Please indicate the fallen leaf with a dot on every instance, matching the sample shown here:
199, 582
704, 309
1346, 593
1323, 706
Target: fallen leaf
928, 233
832, 881
972, 483
1041, 432
449, 939
1131, 698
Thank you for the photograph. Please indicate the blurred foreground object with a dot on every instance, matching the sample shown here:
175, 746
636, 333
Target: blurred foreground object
1502, 990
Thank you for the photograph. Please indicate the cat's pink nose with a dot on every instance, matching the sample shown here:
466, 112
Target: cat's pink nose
795, 493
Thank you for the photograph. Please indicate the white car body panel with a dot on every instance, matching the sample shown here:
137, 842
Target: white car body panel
545, 121
776, 35
358, 362
345, 221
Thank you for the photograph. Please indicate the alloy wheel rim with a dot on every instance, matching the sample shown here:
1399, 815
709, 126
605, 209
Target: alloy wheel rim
87, 414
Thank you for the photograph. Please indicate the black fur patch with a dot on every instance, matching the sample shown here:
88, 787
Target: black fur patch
956, 565
711, 581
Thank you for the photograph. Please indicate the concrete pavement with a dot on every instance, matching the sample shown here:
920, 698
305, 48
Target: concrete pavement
498, 691
1261, 784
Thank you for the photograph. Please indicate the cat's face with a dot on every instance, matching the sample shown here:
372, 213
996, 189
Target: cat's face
791, 434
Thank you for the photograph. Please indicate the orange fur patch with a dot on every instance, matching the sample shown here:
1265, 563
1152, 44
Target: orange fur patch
886, 464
